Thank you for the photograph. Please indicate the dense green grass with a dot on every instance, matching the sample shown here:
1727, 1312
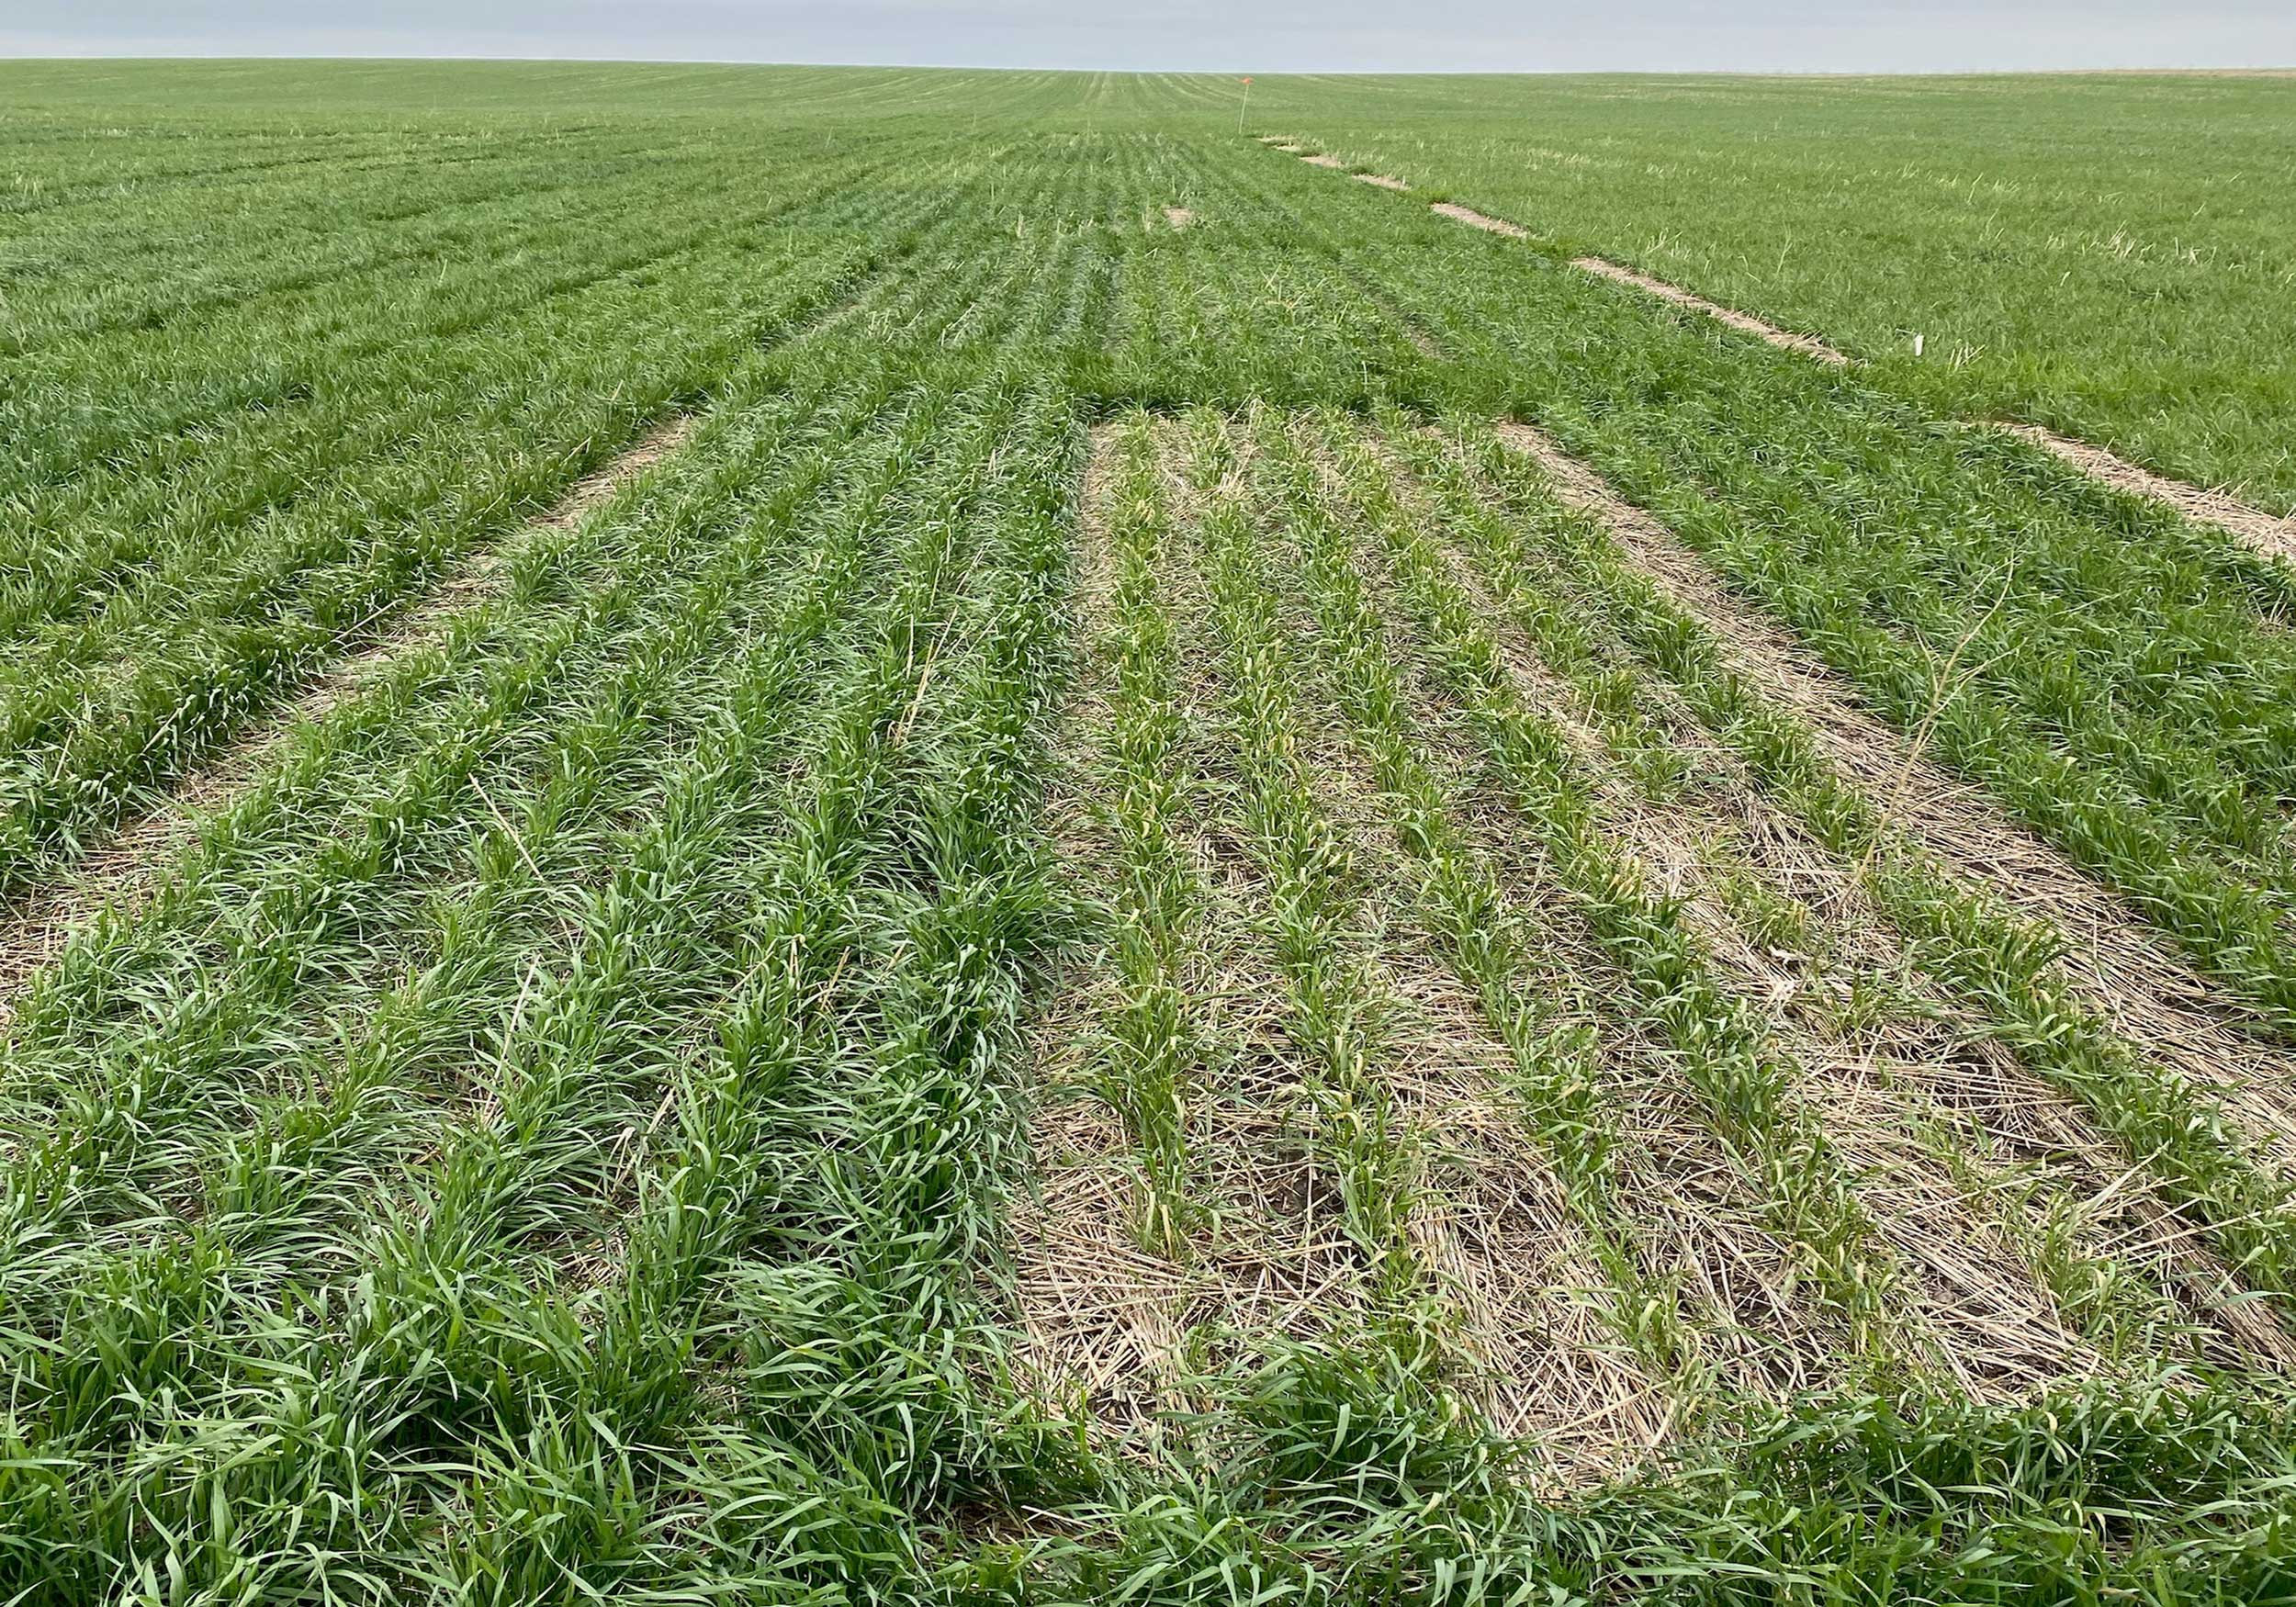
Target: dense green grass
2101, 256
567, 1128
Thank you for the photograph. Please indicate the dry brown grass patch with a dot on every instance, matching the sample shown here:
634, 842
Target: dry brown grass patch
1809, 345
1474, 219
2267, 533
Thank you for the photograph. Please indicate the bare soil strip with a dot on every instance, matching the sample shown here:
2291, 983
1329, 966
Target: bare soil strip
1474, 219
2265, 531
2146, 992
1179, 217
1809, 345
119, 873
1381, 180
1320, 161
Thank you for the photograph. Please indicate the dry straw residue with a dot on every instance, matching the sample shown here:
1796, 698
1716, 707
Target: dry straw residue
1809, 345
2267, 533
1967, 1287
1474, 219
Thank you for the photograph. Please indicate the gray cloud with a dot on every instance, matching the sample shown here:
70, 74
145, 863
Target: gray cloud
1269, 36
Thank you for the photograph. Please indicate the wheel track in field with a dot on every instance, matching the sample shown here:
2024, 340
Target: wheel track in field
1619, 274
2268, 534
120, 875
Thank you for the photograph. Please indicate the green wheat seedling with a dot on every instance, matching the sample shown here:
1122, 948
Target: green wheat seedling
2167, 785
1737, 1073
1483, 933
1159, 894
1334, 1009
1595, 580
2002, 965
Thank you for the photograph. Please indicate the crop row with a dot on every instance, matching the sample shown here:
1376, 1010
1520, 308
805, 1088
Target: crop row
232, 601
567, 1125
679, 902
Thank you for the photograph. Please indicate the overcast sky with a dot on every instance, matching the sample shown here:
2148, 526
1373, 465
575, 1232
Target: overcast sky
1221, 35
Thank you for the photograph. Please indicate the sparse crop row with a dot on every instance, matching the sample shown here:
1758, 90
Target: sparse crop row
1739, 1073
1156, 903
1491, 940
1318, 1420
1334, 1014
1560, 579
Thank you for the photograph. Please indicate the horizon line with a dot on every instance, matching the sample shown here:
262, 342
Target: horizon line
2185, 70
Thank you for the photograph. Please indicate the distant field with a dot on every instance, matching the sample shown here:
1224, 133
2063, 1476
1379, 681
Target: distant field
816, 835
2104, 255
